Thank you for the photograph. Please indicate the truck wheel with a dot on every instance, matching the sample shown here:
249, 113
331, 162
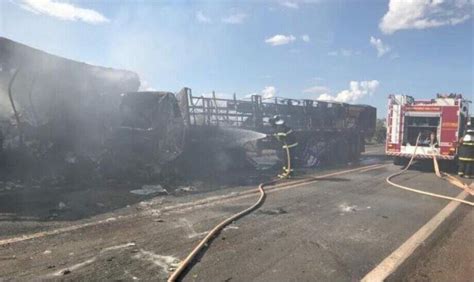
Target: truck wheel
448, 166
400, 161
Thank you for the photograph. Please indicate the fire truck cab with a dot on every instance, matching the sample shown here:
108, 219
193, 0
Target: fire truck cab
439, 122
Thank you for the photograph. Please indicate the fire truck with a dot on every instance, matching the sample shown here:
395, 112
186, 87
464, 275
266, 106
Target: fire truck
439, 122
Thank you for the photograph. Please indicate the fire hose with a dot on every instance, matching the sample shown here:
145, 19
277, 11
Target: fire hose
205, 242
449, 178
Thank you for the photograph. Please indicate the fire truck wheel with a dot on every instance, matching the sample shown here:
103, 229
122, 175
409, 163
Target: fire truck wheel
448, 166
400, 161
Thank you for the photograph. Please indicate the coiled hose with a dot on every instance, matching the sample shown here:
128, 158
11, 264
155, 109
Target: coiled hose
204, 242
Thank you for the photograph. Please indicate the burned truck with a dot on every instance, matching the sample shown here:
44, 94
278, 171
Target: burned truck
327, 132
55, 114
200, 134
58, 115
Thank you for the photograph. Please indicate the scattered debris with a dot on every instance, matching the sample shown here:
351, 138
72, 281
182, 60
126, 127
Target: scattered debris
70, 158
68, 270
185, 189
127, 273
47, 252
10, 186
61, 206
74, 267
131, 244
344, 207
191, 232
273, 211
231, 227
167, 263
149, 189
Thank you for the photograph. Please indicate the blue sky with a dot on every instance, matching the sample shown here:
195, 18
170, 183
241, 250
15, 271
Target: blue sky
298, 49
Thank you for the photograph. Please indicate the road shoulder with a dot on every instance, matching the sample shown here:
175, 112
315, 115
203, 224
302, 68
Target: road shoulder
452, 258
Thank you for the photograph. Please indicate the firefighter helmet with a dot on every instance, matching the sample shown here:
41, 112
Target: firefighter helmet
277, 120
273, 120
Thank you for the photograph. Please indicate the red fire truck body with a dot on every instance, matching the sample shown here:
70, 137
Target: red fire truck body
440, 122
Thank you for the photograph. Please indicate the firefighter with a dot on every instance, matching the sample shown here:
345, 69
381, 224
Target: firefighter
285, 135
466, 154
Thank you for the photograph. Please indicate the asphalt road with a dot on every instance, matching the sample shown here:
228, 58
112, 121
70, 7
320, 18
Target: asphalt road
337, 228
452, 258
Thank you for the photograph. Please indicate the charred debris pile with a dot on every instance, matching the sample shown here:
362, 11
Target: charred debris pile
64, 120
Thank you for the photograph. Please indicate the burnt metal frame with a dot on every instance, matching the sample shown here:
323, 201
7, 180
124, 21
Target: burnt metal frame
306, 115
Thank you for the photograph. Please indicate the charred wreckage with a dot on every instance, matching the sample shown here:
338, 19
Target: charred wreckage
64, 118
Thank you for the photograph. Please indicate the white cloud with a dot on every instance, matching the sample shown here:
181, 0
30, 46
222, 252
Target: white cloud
280, 39
200, 17
63, 11
236, 18
317, 90
326, 97
290, 4
382, 48
223, 95
421, 14
357, 90
305, 38
394, 56
344, 53
269, 92
316, 78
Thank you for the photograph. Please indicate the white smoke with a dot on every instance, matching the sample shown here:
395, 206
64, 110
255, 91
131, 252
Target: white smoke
145, 86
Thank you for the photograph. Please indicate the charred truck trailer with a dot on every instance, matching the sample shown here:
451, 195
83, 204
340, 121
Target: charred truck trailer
69, 114
439, 122
327, 132
221, 134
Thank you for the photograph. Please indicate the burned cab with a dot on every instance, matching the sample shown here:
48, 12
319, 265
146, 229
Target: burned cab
151, 133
